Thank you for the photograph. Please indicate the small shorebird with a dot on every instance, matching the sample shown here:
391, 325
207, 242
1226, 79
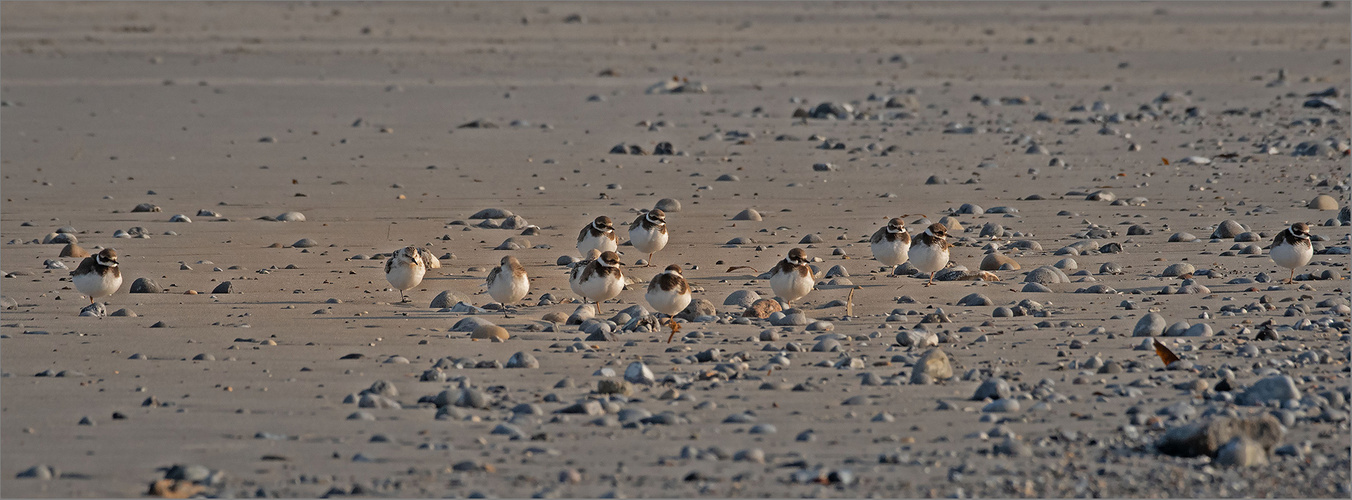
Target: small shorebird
599, 235
929, 254
791, 279
669, 294
648, 233
508, 283
405, 270
1292, 249
891, 244
98, 276
598, 281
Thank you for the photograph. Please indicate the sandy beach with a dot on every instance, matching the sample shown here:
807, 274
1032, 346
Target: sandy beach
1107, 142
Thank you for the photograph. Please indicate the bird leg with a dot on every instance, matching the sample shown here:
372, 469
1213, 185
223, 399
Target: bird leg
1292, 279
671, 321
931, 280
598, 308
650, 260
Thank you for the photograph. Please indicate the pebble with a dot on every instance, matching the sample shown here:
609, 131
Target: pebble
612, 386
290, 216
73, 250
741, 298
1150, 325
469, 324
1177, 329
668, 205
826, 345
97, 310
1046, 276
145, 285
1198, 330
490, 332
934, 364
1004, 405
790, 317
696, 309
755, 455
1013, 448
821, 326
1241, 451
41, 472
1323, 202
522, 359
1277, 388
1180, 269
492, 213
748, 214
974, 300
514, 243
639, 373
917, 338
997, 261
1228, 229
994, 388
762, 429
446, 299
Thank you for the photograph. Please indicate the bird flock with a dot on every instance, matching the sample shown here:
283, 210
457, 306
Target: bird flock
600, 277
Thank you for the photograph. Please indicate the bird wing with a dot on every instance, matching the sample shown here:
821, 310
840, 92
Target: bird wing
879, 235
1277, 240
86, 266
779, 268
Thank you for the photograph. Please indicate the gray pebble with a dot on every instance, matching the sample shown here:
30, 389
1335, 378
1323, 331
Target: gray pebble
1150, 325
748, 214
522, 359
994, 388
145, 285
668, 205
1004, 405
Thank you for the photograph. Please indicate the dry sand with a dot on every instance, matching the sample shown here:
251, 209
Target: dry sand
351, 114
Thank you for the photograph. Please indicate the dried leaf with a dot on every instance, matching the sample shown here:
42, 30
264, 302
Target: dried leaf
1165, 160
734, 268
1165, 354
